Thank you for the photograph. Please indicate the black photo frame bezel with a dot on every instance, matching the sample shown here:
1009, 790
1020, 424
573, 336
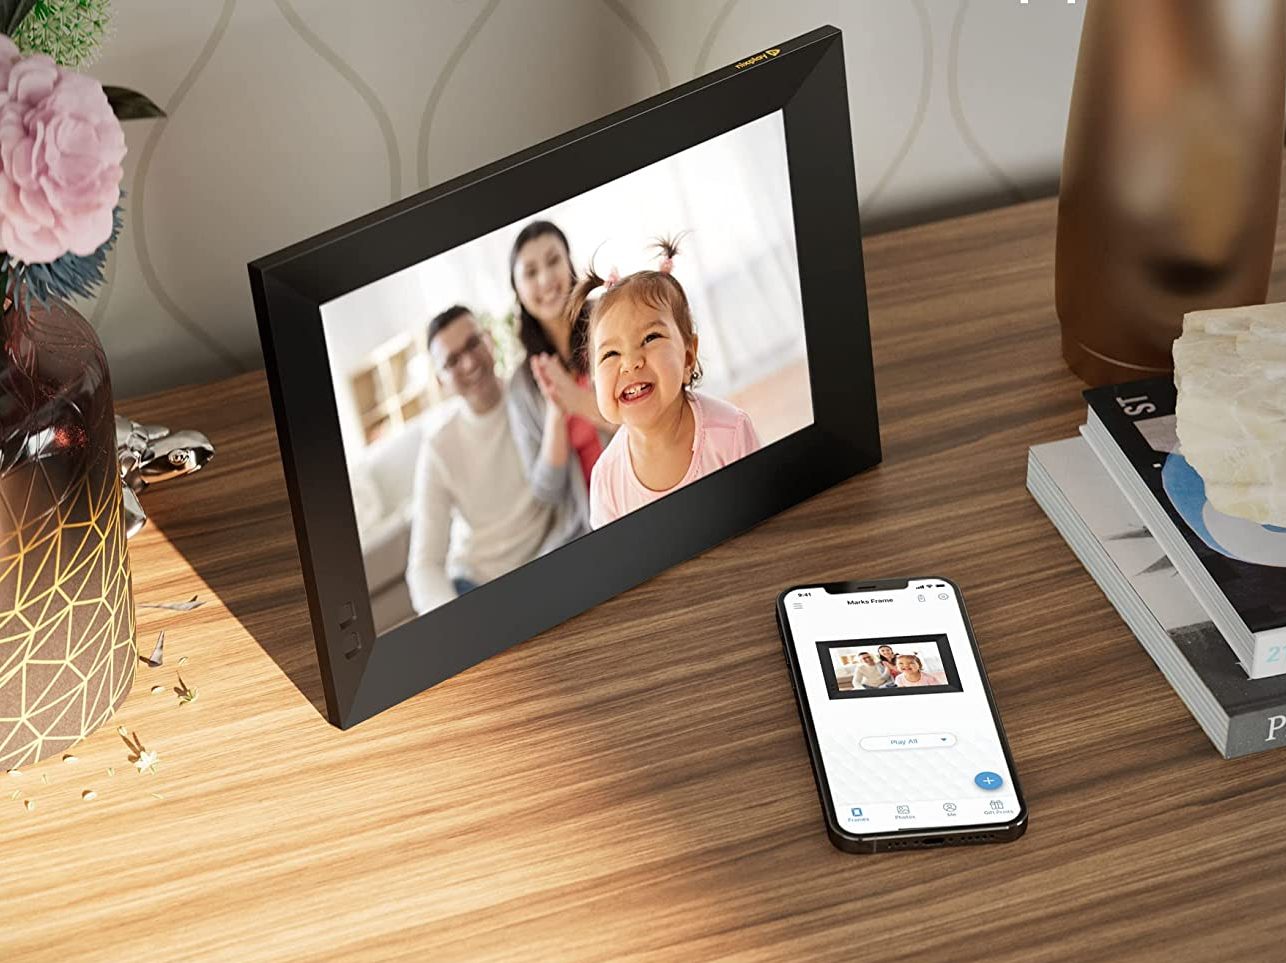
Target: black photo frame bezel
952, 684
803, 78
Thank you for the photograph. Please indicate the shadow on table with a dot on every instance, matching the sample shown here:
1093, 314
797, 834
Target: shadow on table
239, 539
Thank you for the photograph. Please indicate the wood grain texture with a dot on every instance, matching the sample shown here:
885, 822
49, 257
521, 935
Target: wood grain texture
633, 784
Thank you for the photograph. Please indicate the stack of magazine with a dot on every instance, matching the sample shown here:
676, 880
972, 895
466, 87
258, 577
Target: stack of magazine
1204, 592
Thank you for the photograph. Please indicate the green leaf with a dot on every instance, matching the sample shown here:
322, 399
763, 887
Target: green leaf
130, 104
12, 13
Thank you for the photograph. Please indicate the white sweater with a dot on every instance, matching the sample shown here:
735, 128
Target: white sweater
469, 474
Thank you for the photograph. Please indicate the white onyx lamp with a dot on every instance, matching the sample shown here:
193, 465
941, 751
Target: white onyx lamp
1230, 372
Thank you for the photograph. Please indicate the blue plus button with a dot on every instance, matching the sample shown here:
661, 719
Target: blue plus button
988, 780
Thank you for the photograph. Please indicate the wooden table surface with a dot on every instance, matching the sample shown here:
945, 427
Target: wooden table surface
633, 784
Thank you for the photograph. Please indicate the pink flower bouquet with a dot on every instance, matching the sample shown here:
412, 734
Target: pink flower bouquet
61, 147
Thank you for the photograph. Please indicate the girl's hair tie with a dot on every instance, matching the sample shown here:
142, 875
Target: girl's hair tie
612, 279
667, 265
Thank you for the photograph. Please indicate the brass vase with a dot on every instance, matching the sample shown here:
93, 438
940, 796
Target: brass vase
67, 647
1171, 173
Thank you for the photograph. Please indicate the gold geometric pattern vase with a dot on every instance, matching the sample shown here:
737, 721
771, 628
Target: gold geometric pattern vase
67, 643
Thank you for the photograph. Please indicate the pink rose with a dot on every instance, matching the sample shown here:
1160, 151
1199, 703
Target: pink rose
61, 149
9, 56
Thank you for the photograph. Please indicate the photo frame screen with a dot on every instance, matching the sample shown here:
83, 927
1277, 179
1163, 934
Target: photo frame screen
494, 406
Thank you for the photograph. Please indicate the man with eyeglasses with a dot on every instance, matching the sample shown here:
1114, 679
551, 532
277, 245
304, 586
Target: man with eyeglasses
469, 472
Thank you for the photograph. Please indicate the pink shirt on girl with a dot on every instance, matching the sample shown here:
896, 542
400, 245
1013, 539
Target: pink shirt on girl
926, 678
723, 434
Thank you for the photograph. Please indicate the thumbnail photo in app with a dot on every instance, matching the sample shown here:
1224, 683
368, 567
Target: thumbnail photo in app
905, 665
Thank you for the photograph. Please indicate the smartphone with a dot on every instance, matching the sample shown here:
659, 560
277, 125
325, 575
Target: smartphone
902, 729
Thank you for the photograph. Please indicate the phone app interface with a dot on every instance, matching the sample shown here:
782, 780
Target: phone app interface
897, 703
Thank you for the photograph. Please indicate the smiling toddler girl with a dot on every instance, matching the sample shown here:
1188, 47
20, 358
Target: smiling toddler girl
642, 356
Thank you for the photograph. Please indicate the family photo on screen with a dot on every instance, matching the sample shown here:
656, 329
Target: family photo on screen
888, 666
519, 391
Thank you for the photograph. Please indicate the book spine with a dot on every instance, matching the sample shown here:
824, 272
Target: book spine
1256, 731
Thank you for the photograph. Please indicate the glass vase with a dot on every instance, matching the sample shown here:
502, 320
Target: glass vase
67, 645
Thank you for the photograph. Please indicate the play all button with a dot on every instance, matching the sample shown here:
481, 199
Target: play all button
919, 740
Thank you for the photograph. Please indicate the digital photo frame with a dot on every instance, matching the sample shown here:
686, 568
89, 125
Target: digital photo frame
516, 394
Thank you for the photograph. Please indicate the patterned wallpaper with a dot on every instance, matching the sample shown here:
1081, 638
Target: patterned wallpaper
287, 117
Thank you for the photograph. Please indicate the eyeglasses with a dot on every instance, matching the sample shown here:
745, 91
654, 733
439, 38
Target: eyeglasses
469, 347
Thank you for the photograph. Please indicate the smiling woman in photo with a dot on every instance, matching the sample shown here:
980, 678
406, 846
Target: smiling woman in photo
556, 423
889, 659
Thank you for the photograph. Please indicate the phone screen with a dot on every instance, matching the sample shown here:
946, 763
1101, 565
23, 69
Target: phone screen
896, 698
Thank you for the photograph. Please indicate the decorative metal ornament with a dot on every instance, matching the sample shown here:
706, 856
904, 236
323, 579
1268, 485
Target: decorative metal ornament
148, 454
